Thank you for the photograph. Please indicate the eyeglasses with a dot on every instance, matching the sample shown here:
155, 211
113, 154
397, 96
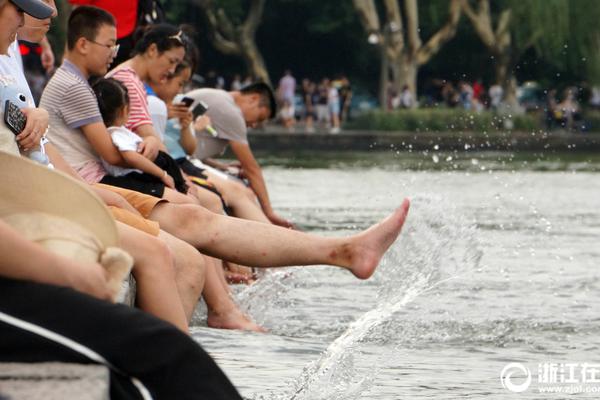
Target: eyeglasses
112, 47
178, 37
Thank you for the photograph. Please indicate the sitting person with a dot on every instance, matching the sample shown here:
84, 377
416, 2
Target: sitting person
231, 113
181, 141
53, 301
160, 269
79, 133
113, 103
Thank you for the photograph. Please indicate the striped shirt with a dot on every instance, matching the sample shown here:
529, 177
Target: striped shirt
71, 104
138, 98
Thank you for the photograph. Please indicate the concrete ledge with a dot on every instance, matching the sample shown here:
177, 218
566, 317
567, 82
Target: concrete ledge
53, 381
270, 141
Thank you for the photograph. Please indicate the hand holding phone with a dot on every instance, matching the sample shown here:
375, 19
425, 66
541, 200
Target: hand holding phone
187, 101
14, 117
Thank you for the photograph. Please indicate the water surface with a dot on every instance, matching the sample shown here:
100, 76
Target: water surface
498, 263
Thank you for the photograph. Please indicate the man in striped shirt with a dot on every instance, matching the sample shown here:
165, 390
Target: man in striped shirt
77, 129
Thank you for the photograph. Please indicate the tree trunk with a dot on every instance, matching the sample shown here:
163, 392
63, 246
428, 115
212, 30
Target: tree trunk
237, 40
406, 74
255, 63
505, 78
402, 51
384, 79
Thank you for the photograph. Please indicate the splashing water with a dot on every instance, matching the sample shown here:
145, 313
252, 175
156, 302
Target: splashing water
437, 245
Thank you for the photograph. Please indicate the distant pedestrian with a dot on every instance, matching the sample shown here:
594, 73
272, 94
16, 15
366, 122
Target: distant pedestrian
345, 90
287, 115
496, 93
236, 83
287, 87
407, 99
321, 105
333, 105
466, 95
308, 92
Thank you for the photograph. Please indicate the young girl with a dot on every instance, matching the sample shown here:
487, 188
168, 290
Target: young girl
113, 102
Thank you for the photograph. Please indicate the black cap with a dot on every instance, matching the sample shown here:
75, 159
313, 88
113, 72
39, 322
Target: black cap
262, 87
36, 8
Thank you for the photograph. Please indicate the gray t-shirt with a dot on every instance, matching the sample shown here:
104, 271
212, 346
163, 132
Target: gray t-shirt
72, 104
225, 116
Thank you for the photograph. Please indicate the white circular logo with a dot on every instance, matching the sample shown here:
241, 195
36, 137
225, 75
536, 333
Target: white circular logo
508, 374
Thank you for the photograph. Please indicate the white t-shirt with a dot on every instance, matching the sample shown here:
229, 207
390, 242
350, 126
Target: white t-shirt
11, 71
124, 140
158, 112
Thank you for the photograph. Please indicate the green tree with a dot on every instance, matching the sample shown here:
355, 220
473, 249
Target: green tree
232, 26
559, 30
403, 51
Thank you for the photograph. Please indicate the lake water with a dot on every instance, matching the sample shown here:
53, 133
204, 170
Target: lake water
498, 263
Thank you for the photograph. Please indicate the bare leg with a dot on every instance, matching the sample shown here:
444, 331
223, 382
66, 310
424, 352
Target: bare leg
190, 270
207, 199
222, 311
241, 199
262, 245
179, 198
198, 275
154, 274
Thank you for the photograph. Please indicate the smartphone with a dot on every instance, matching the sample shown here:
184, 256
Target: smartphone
188, 101
14, 117
200, 109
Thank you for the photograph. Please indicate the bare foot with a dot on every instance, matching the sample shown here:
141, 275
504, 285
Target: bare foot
233, 278
232, 319
366, 249
235, 273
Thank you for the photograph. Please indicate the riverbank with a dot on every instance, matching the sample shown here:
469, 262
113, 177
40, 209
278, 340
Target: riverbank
277, 139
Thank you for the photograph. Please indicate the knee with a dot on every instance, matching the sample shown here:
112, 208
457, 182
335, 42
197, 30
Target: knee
241, 190
157, 259
192, 270
190, 219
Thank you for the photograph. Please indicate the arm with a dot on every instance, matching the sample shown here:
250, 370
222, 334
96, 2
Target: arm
109, 198
151, 141
215, 164
47, 55
136, 160
60, 163
254, 175
98, 136
24, 260
187, 137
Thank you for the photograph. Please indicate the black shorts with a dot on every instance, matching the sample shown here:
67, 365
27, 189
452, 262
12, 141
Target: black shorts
143, 183
45, 323
189, 168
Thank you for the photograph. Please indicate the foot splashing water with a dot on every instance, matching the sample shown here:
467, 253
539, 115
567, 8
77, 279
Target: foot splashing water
437, 245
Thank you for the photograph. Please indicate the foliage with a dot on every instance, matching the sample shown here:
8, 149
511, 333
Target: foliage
317, 38
443, 120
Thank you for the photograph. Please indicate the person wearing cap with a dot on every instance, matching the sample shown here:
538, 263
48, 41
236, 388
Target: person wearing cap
10, 21
231, 113
169, 272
